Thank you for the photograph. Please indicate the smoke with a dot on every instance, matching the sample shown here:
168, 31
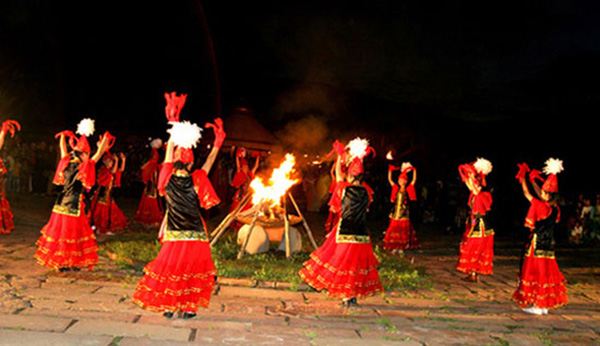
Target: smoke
309, 135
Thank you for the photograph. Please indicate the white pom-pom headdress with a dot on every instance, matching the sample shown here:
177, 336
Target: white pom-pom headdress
405, 165
552, 168
185, 134
86, 127
358, 147
483, 166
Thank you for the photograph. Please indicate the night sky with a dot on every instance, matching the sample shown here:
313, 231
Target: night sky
509, 80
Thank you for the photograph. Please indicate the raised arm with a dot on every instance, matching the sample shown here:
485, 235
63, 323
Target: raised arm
338, 169
102, 146
2, 135
389, 176
256, 164
526, 192
115, 166
123, 159
414, 177
169, 152
219, 138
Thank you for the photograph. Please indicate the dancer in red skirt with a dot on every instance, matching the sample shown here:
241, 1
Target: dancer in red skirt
345, 265
67, 241
400, 234
106, 216
150, 211
6, 216
182, 275
241, 182
541, 284
477, 245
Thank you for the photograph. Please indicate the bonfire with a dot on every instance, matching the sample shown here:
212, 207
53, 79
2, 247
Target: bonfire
268, 209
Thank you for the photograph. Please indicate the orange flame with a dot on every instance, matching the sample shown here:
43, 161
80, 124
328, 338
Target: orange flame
277, 185
389, 155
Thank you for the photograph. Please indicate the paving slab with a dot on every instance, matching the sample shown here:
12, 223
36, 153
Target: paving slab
110, 328
32, 322
31, 338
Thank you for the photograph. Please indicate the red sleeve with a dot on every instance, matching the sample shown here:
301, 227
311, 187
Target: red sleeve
335, 202
117, 182
87, 173
206, 193
166, 170
104, 176
394, 194
59, 177
482, 203
412, 193
148, 170
370, 191
538, 210
238, 179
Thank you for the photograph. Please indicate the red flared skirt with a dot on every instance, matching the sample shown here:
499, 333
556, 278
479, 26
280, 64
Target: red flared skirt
477, 255
108, 219
345, 270
401, 235
67, 241
6, 217
148, 211
541, 284
181, 277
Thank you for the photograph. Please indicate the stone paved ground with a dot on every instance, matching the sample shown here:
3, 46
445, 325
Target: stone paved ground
41, 308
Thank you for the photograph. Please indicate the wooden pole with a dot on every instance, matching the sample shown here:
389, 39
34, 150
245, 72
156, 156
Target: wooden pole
308, 231
286, 230
241, 253
222, 227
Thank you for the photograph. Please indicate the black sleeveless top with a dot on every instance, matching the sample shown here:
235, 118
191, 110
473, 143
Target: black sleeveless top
68, 201
353, 223
184, 221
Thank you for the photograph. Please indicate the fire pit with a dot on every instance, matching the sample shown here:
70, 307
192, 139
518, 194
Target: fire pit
267, 210
268, 218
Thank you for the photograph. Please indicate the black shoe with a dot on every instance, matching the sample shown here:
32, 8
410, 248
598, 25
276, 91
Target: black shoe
188, 315
352, 303
64, 269
75, 269
168, 314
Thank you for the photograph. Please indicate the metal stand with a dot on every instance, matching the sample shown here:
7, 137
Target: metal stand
222, 227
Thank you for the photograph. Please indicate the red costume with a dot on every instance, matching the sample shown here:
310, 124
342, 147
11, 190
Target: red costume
182, 275
67, 240
150, 210
400, 233
345, 264
477, 245
241, 182
106, 215
6, 216
541, 284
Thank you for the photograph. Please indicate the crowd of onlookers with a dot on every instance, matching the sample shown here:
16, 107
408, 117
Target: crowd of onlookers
30, 166
584, 220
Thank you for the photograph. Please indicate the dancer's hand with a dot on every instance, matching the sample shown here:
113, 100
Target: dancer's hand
218, 130
11, 126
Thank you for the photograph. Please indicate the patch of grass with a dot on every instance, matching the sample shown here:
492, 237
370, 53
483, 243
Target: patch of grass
387, 325
395, 273
132, 250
